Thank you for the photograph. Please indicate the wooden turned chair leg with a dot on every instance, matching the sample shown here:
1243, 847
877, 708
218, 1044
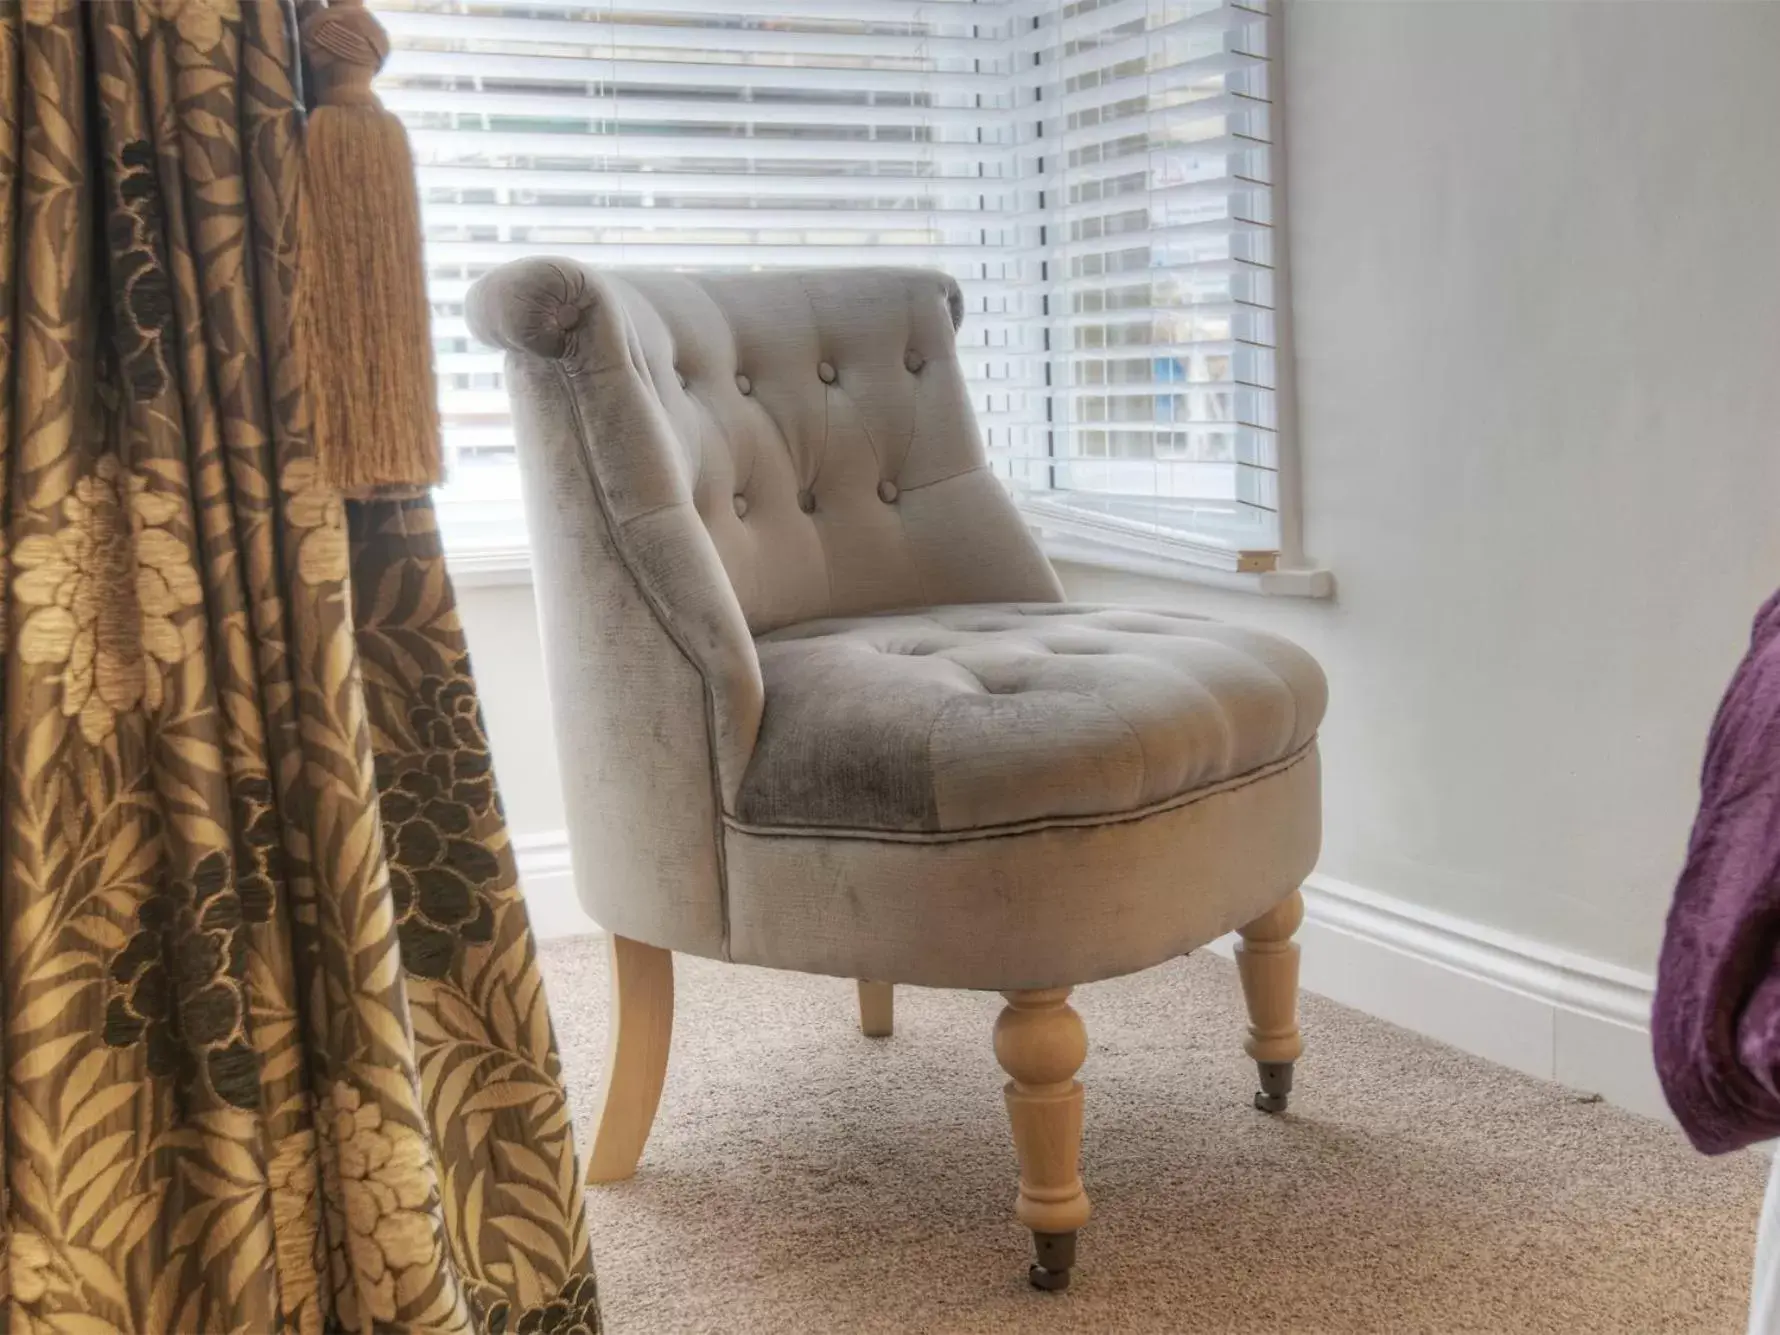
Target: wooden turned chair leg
1267, 961
877, 1009
640, 1028
1041, 1042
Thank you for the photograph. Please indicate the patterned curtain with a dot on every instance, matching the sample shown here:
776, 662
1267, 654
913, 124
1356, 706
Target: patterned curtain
274, 1043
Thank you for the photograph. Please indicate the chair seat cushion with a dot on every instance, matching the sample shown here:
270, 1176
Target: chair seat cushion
956, 720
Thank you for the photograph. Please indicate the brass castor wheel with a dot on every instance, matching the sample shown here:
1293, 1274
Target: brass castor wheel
1056, 1258
1276, 1086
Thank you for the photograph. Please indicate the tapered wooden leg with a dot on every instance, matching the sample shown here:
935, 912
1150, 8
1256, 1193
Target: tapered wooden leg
877, 1009
639, 1030
1041, 1042
1267, 960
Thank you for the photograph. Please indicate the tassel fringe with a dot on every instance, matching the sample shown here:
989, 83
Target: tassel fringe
362, 307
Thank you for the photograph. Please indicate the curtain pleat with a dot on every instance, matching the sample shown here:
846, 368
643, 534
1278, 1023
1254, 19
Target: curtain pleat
275, 1047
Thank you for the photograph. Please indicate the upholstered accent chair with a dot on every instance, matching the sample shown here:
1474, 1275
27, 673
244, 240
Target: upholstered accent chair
822, 705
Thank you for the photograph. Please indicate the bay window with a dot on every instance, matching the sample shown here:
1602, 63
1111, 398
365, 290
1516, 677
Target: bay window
1095, 174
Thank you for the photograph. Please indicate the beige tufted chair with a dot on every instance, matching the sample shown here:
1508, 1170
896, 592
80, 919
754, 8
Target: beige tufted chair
823, 706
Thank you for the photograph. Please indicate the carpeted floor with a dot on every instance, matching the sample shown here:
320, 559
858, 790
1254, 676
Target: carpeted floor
802, 1178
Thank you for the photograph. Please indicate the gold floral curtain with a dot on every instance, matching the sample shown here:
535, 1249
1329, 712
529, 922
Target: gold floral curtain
274, 1043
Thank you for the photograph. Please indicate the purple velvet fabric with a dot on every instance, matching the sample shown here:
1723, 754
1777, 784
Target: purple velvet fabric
1717, 1018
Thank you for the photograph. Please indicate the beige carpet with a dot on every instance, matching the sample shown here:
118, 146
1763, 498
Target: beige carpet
804, 1178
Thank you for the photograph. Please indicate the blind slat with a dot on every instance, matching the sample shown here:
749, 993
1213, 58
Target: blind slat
487, 254
444, 146
437, 180
600, 39
417, 62
789, 11
523, 217
569, 107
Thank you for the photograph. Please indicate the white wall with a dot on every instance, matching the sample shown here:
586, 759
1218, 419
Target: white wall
1537, 266
501, 624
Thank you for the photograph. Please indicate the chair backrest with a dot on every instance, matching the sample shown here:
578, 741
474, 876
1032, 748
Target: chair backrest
706, 459
821, 424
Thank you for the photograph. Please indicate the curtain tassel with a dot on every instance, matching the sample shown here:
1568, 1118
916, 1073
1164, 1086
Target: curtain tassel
361, 290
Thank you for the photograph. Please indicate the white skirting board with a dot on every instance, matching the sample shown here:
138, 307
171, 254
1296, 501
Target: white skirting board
1550, 1013
549, 885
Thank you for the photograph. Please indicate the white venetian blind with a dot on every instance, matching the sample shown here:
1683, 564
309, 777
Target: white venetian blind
699, 134
1157, 203
1093, 174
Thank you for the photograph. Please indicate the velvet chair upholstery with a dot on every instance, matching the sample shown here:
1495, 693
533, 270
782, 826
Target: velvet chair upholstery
825, 708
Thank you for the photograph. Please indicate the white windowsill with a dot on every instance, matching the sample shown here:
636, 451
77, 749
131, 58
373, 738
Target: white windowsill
481, 567
1307, 583
511, 564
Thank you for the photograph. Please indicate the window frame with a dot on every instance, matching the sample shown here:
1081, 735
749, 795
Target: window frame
485, 542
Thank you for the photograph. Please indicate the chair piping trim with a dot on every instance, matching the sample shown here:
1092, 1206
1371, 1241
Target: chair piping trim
1197, 795
567, 377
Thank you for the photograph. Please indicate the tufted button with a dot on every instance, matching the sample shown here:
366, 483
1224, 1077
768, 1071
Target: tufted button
826, 371
887, 492
806, 501
741, 507
913, 360
743, 383
566, 316
680, 376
